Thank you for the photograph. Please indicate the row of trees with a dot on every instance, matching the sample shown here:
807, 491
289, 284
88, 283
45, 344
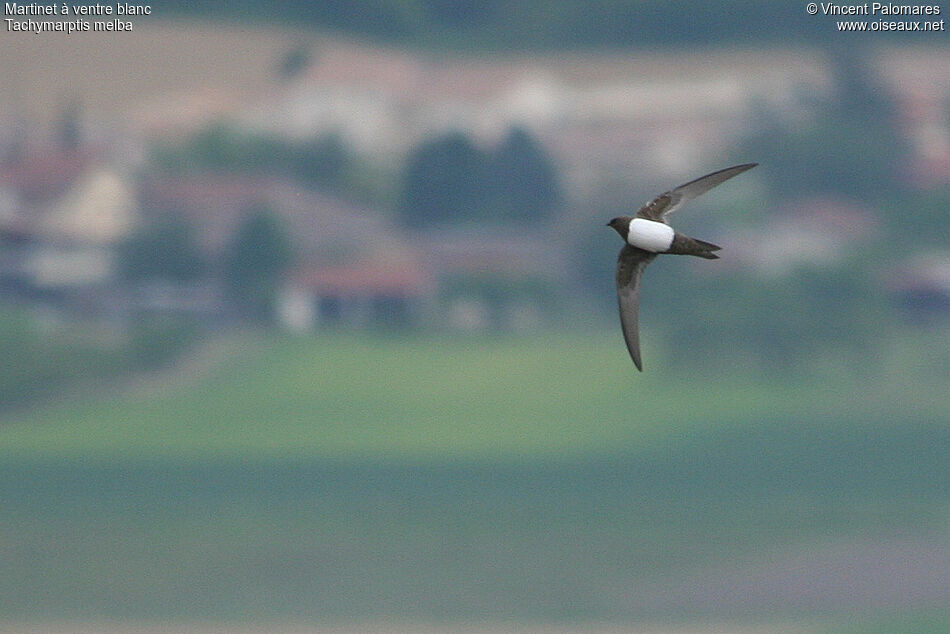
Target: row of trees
450, 180
447, 179
323, 162
250, 269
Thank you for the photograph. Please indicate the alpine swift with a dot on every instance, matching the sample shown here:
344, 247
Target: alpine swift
647, 234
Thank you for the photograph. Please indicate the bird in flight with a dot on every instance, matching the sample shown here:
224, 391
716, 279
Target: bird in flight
646, 235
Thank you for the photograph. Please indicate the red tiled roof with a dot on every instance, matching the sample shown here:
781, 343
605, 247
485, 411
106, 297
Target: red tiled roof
371, 278
44, 176
187, 191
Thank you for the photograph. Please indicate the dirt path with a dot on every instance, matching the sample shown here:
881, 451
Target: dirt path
197, 364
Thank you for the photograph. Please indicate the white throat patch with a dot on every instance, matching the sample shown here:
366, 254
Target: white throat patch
649, 235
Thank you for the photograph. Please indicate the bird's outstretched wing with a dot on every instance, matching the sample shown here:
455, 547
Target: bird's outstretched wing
630, 267
664, 204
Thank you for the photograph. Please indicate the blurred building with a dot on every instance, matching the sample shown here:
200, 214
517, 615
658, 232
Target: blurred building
789, 239
921, 286
919, 78
390, 291
65, 211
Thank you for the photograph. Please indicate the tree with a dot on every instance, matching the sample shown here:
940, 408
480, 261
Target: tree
163, 249
322, 161
443, 181
449, 180
256, 259
521, 180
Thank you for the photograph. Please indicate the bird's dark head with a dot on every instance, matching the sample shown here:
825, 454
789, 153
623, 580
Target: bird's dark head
620, 224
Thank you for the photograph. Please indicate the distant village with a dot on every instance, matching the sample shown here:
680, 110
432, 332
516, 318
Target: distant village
72, 193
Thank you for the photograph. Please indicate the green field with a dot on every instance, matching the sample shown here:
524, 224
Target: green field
524, 480
552, 396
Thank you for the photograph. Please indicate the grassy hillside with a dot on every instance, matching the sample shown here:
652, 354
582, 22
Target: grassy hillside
165, 65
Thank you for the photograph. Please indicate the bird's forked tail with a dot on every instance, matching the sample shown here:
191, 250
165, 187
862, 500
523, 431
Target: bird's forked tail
684, 245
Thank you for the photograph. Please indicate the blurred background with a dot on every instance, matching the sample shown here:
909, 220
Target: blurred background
308, 322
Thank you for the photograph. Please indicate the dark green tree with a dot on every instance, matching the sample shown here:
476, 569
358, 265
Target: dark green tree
255, 261
216, 146
163, 249
224, 147
520, 179
449, 180
322, 161
443, 182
